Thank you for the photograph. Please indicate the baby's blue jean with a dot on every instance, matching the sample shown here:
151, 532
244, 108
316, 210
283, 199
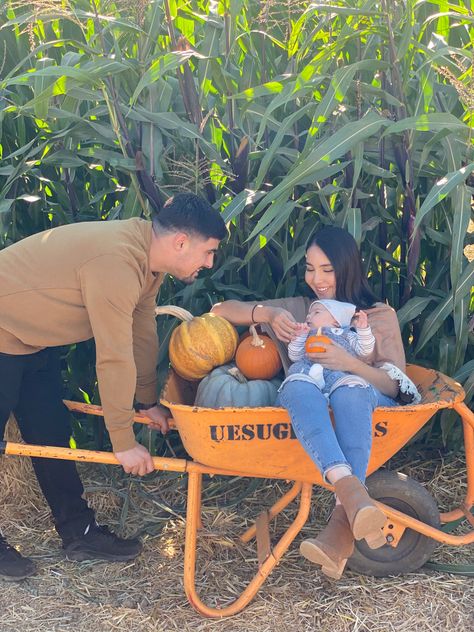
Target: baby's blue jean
350, 441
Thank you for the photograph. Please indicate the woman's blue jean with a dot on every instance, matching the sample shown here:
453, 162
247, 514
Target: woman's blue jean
350, 441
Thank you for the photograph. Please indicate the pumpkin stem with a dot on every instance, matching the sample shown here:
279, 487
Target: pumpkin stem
318, 333
256, 340
239, 376
174, 310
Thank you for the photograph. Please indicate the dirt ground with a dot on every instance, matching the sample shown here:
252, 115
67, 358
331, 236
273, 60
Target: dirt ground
147, 595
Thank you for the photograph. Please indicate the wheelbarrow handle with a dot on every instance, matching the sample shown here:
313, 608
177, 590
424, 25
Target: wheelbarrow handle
93, 409
86, 456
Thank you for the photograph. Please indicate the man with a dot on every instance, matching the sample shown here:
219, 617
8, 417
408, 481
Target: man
72, 283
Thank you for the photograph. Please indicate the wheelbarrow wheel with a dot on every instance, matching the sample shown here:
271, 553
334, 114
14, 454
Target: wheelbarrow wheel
405, 494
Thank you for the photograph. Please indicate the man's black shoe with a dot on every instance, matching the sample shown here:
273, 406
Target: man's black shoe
100, 544
13, 566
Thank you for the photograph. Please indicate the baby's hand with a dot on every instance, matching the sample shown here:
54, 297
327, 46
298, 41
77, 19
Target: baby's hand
361, 319
301, 328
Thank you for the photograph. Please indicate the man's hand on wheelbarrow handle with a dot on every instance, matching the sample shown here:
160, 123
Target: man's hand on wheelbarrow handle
158, 415
136, 461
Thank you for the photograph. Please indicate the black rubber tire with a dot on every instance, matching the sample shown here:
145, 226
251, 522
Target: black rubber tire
405, 494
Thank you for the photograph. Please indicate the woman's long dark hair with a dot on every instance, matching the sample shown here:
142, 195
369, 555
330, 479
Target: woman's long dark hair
341, 249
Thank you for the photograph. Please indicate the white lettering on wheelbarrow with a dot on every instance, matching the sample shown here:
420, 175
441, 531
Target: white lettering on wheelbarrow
248, 432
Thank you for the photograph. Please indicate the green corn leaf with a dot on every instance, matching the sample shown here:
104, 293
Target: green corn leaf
54, 72
453, 150
289, 93
453, 14
464, 372
40, 103
269, 155
115, 159
460, 316
5, 205
412, 309
161, 66
239, 202
279, 213
407, 34
63, 158
155, 26
269, 88
295, 258
437, 317
24, 149
435, 122
468, 387
319, 174
461, 203
353, 223
357, 155
334, 9
268, 217
326, 152
441, 189
436, 235
336, 93
324, 173
131, 206
40, 86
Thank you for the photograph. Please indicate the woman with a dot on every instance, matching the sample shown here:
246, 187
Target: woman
334, 271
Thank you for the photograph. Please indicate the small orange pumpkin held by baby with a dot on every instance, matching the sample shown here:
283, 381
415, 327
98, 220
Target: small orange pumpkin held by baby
313, 342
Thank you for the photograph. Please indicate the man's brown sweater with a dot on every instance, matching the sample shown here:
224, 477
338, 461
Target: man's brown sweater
81, 281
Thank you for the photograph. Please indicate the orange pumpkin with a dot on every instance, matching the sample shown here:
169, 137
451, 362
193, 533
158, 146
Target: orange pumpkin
257, 357
312, 342
200, 343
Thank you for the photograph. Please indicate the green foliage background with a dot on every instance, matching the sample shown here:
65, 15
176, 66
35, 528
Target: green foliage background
286, 115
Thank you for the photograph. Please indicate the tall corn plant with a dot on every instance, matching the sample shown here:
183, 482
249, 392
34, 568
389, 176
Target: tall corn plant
286, 115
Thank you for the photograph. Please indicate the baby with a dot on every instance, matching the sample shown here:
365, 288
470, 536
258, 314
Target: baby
344, 326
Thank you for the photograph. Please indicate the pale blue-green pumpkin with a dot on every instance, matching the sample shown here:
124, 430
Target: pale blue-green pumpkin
227, 387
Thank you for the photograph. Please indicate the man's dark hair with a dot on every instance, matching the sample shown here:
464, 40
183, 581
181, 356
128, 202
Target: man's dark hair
341, 249
191, 214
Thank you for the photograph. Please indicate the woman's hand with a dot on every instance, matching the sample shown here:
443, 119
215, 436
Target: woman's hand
282, 323
338, 359
335, 358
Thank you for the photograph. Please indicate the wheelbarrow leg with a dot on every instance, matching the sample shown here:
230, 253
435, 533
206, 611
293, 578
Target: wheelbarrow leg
467, 418
265, 568
198, 502
281, 504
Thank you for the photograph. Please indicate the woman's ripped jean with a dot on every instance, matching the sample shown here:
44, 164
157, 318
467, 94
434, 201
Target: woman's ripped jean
350, 442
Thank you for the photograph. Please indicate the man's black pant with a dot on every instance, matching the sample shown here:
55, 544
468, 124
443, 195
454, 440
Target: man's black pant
31, 388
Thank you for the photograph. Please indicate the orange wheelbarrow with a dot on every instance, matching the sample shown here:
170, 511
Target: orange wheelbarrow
259, 442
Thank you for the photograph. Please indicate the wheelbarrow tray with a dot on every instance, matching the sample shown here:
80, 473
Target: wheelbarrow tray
261, 442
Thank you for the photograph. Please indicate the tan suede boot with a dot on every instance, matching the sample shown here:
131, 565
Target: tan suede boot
332, 546
365, 518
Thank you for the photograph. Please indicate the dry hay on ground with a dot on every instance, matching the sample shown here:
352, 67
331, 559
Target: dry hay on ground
147, 595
